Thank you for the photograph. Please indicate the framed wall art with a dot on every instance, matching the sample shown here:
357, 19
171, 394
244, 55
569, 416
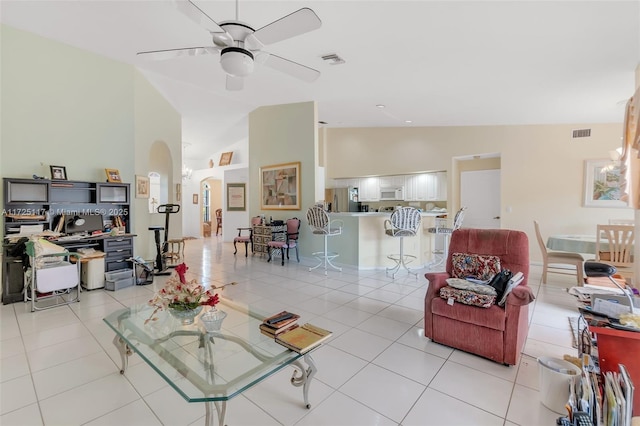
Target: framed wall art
602, 184
280, 187
58, 172
142, 187
236, 197
225, 158
113, 175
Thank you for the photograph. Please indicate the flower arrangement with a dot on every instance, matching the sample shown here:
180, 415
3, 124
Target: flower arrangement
183, 295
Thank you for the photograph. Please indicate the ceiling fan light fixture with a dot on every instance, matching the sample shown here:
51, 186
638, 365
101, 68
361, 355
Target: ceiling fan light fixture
236, 61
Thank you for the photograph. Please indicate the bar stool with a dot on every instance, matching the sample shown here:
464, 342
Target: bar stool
445, 232
321, 224
404, 222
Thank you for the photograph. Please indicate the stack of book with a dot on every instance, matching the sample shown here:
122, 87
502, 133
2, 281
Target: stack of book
278, 323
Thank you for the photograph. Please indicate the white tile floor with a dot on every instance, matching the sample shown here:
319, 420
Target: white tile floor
60, 367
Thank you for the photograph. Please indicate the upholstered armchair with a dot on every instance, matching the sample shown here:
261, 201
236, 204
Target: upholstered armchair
497, 333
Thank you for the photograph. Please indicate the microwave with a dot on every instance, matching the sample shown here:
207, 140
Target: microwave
392, 193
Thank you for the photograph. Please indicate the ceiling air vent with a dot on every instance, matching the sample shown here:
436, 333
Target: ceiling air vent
580, 133
333, 59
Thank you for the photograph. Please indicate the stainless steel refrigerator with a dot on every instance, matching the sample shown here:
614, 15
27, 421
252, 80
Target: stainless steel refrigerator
343, 199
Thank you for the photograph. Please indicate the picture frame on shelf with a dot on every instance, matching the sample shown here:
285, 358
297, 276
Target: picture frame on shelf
236, 197
225, 158
58, 172
280, 187
142, 186
602, 180
113, 175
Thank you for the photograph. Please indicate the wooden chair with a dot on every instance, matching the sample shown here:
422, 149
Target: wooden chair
218, 221
614, 246
247, 237
553, 261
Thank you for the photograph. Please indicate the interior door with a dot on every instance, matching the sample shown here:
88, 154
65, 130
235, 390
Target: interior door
480, 193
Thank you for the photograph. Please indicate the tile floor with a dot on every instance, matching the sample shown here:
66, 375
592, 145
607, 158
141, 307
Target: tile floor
60, 367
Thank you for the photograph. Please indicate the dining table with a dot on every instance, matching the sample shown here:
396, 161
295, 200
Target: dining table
573, 243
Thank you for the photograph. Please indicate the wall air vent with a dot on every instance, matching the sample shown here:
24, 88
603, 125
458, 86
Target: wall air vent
580, 133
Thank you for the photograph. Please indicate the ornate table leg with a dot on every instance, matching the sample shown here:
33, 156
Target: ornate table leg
125, 352
302, 376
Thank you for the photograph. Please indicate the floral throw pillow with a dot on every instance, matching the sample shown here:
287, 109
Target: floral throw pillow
480, 266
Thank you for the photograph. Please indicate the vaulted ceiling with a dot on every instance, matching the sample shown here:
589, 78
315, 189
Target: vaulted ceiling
434, 63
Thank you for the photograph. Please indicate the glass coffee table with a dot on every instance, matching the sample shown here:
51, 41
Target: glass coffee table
207, 367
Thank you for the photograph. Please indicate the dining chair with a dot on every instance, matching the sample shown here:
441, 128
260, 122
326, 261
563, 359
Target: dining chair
614, 246
245, 235
629, 222
557, 261
218, 221
285, 239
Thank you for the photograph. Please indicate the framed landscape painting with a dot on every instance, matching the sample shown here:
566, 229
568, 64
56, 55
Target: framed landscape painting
602, 181
280, 187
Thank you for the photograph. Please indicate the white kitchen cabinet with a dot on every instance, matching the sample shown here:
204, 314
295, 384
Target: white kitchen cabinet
416, 187
346, 183
409, 188
369, 189
391, 181
441, 186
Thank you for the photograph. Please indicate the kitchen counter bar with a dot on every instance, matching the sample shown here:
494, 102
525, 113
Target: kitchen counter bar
364, 244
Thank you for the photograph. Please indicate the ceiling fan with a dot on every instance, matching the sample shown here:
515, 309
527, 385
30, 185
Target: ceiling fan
239, 45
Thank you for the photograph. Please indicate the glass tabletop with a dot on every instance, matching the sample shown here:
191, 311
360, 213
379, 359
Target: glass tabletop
203, 366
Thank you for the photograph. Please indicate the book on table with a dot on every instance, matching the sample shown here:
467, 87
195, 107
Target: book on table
276, 324
303, 338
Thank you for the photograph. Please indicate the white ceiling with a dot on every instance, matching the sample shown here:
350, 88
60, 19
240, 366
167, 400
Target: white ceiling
436, 63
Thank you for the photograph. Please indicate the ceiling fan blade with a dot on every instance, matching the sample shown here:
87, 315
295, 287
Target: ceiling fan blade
197, 15
299, 22
160, 55
235, 83
286, 66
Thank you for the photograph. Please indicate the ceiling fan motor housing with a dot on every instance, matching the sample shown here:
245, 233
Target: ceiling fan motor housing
236, 61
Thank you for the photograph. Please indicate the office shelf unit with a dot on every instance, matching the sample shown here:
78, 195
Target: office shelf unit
44, 202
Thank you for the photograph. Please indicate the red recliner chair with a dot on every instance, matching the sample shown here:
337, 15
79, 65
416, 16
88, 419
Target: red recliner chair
497, 333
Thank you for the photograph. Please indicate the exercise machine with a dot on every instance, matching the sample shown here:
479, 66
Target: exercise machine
161, 267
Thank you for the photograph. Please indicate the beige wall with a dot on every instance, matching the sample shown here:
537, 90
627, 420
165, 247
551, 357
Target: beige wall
65, 106
542, 168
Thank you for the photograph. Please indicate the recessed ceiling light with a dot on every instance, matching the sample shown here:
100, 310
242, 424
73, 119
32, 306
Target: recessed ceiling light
379, 106
408, 121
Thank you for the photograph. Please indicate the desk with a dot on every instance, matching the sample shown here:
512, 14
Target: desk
207, 367
573, 243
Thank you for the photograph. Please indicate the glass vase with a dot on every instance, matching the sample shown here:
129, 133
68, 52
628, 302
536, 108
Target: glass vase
212, 320
186, 316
